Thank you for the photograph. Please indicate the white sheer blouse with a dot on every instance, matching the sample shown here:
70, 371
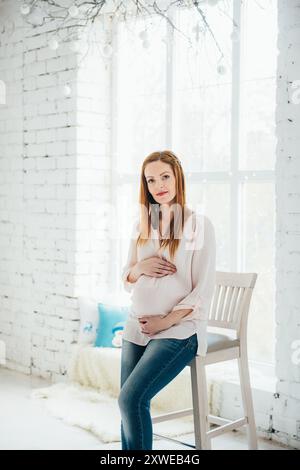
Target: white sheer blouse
191, 287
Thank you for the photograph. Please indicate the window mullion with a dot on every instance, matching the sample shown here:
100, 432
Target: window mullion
235, 194
169, 80
114, 281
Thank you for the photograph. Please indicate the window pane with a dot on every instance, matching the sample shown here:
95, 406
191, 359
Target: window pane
258, 255
140, 100
196, 63
258, 87
260, 39
202, 127
258, 144
205, 198
141, 130
127, 208
202, 96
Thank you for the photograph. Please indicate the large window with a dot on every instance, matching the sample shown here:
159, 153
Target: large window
169, 94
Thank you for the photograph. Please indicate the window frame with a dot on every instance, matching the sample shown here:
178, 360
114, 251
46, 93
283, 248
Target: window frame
235, 177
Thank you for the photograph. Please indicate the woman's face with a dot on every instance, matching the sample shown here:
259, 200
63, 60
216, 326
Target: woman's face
160, 179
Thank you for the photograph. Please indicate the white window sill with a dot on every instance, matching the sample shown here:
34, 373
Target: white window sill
262, 376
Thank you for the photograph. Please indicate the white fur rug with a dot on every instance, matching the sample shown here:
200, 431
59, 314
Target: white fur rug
97, 412
89, 399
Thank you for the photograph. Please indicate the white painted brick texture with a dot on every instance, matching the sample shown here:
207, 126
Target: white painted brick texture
286, 417
54, 175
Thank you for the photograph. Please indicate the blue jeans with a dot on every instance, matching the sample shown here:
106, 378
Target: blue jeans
145, 370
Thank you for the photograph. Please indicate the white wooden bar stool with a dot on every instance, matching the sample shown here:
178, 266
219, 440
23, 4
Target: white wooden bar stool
229, 311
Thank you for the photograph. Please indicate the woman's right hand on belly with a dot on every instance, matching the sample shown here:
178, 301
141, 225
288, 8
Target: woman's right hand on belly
156, 267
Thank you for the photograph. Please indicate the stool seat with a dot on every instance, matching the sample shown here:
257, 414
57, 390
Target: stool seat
217, 342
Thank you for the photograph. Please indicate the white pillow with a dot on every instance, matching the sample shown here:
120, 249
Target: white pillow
89, 316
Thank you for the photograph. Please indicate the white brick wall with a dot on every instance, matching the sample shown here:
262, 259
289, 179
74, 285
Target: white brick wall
286, 419
54, 174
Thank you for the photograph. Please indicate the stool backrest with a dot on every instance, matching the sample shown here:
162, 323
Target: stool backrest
231, 300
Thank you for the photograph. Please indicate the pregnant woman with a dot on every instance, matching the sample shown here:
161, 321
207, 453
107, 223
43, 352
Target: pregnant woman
170, 272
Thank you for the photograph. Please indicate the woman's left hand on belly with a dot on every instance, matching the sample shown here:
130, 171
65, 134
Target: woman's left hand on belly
150, 325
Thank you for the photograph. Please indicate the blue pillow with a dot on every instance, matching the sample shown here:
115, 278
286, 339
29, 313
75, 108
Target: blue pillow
112, 318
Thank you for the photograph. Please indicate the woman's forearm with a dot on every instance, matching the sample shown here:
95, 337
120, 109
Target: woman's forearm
134, 273
175, 316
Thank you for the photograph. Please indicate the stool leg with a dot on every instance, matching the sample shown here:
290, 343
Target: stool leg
247, 401
200, 405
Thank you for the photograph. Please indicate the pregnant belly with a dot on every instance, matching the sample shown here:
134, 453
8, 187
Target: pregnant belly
157, 295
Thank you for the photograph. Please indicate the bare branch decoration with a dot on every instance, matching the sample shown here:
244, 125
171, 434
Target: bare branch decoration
74, 16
